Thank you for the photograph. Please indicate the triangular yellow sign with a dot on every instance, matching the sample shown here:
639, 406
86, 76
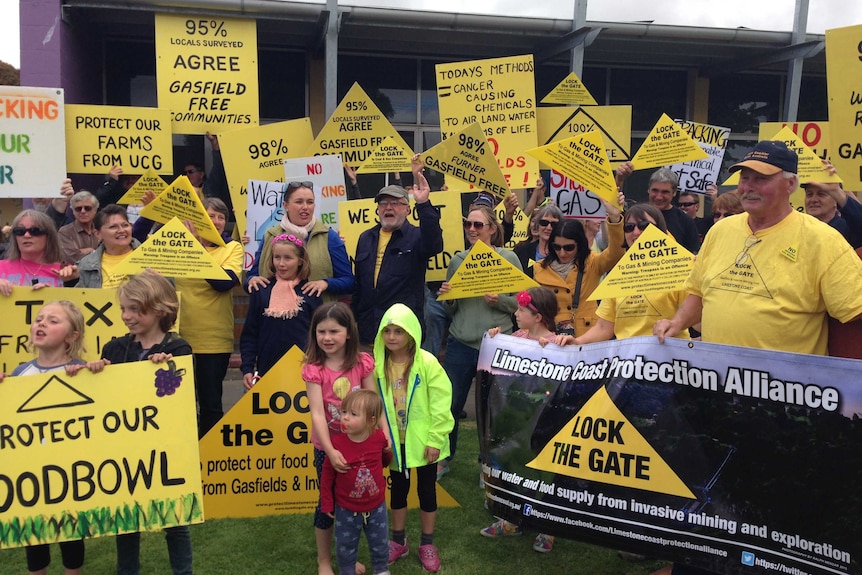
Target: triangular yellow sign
667, 144
180, 200
354, 130
570, 91
485, 271
150, 180
172, 251
389, 157
467, 156
810, 167
656, 263
600, 444
584, 160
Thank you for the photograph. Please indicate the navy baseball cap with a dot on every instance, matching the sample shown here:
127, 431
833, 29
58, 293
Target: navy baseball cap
769, 157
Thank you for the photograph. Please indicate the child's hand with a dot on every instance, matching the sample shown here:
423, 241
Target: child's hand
331, 515
73, 369
98, 365
338, 462
432, 454
494, 331
248, 381
160, 357
2, 376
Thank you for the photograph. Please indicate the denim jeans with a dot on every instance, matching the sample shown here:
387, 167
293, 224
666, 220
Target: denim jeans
460, 365
179, 542
436, 320
349, 527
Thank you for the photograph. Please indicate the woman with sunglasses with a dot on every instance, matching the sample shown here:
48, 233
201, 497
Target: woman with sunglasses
473, 316
33, 256
633, 315
331, 273
545, 219
727, 204
573, 271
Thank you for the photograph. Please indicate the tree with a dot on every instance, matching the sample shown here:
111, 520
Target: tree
9, 75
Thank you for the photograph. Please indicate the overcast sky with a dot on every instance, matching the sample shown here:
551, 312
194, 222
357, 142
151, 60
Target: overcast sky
756, 14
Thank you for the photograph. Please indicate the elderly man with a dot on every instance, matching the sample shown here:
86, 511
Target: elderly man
392, 256
824, 200
77, 239
768, 277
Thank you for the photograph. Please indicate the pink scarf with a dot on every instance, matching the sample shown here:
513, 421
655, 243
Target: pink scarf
283, 301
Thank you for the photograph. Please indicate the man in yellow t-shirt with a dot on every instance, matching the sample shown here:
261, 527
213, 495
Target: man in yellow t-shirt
767, 278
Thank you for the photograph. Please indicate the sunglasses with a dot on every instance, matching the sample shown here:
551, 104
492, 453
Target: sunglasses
475, 225
35, 232
543, 222
719, 215
294, 185
566, 248
687, 204
191, 171
83, 208
641, 225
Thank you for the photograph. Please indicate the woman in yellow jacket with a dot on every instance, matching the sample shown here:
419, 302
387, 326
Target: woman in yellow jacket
572, 271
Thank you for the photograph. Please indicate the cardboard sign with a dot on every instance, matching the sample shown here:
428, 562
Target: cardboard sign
575, 200
356, 216
500, 95
485, 271
354, 130
173, 251
389, 157
656, 263
101, 311
613, 122
326, 175
582, 159
257, 154
99, 454
570, 91
259, 459
101, 137
468, 157
666, 144
181, 201
32, 142
264, 211
843, 70
206, 72
149, 181
697, 175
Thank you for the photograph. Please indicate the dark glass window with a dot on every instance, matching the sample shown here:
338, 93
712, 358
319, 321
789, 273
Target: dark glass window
389, 82
651, 93
742, 101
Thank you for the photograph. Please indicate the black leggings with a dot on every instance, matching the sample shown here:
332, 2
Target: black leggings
39, 556
426, 481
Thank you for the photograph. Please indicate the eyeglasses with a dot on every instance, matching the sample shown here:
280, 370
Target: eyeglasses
294, 185
750, 242
630, 227
83, 208
565, 248
688, 204
543, 222
475, 225
191, 171
719, 215
391, 203
34, 231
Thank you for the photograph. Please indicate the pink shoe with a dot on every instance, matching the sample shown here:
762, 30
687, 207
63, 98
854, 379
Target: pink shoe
397, 551
429, 558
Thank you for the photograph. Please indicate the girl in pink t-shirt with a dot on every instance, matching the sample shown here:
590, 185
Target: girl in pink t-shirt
333, 367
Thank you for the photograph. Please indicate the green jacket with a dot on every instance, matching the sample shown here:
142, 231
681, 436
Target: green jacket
429, 395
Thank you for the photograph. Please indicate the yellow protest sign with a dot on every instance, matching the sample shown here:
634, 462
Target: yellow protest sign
570, 91
257, 154
354, 130
33, 154
101, 316
485, 271
500, 95
150, 180
467, 156
180, 200
356, 216
389, 157
259, 459
600, 444
810, 167
843, 70
100, 137
98, 454
614, 122
206, 72
584, 160
656, 263
172, 251
666, 144
815, 135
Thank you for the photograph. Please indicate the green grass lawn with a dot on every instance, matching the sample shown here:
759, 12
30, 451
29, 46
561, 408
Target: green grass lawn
284, 544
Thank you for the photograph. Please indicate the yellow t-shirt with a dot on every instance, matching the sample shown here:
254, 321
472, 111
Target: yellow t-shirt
773, 289
396, 377
636, 314
382, 243
109, 263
